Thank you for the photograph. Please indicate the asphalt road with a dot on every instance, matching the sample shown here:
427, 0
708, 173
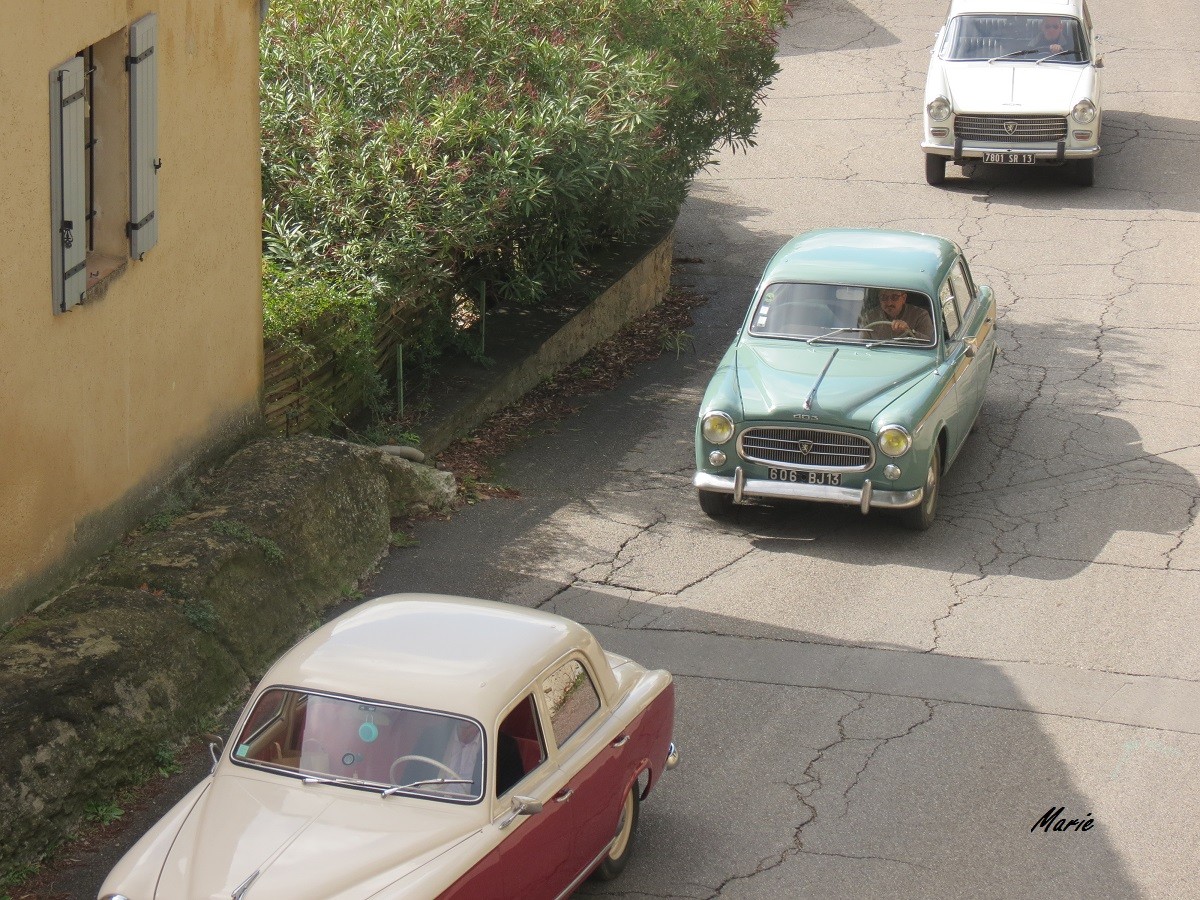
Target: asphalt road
865, 711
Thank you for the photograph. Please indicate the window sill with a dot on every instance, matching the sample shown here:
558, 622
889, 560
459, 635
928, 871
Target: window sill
102, 271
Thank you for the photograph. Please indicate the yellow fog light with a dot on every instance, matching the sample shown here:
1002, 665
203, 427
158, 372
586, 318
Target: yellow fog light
716, 427
894, 440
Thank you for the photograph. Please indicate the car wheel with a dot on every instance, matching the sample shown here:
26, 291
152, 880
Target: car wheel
716, 506
1085, 171
935, 168
618, 854
921, 516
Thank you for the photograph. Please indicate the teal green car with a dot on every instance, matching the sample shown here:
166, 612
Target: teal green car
855, 379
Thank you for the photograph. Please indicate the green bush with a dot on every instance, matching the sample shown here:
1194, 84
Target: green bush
413, 149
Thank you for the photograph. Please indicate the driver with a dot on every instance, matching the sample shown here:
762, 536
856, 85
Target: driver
1052, 37
893, 317
464, 753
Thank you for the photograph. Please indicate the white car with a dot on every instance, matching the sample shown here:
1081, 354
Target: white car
420, 746
1014, 82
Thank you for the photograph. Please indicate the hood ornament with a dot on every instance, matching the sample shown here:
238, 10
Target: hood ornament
808, 401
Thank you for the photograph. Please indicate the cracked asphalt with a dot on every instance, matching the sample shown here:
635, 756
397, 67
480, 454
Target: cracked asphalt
865, 711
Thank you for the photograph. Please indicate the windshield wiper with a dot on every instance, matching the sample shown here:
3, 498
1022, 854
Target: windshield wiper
1015, 53
899, 339
397, 788
821, 337
329, 779
1052, 55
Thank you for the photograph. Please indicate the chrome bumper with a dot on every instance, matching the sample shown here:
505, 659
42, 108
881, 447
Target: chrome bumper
976, 151
672, 757
864, 498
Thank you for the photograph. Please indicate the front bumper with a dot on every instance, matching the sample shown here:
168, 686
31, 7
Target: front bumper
865, 498
1057, 153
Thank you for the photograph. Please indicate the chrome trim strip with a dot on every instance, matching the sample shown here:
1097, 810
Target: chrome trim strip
815, 493
587, 870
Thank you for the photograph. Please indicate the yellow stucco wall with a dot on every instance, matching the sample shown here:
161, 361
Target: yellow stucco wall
101, 405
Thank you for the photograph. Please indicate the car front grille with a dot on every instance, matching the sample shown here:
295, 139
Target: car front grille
1011, 129
806, 448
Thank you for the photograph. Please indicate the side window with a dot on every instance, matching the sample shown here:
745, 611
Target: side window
949, 309
519, 745
961, 287
103, 160
571, 699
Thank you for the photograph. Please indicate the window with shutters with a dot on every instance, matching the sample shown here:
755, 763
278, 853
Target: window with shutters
104, 163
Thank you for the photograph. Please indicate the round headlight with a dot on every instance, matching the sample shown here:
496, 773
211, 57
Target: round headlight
1084, 112
894, 440
938, 109
716, 427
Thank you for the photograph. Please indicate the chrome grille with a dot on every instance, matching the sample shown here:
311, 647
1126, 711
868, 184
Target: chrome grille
807, 448
1025, 129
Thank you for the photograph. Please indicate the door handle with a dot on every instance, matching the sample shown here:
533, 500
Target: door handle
564, 795
621, 741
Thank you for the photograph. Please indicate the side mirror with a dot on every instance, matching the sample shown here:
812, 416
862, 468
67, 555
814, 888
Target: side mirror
215, 745
1099, 63
526, 806
521, 806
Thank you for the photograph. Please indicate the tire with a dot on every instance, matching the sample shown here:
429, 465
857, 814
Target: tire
1085, 171
922, 516
715, 506
617, 858
935, 168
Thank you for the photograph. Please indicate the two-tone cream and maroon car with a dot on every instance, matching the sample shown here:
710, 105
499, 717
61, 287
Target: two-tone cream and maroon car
420, 746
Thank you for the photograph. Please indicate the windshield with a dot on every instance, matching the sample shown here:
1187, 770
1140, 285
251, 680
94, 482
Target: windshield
1019, 38
834, 313
360, 743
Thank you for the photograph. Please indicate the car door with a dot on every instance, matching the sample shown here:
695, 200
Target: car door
978, 334
532, 854
951, 408
591, 752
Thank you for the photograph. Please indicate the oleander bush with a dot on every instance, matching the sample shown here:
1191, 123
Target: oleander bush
414, 149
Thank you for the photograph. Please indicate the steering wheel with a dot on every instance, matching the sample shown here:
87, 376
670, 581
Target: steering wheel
871, 325
425, 759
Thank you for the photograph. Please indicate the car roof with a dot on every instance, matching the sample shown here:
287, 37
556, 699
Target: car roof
1029, 7
869, 257
455, 654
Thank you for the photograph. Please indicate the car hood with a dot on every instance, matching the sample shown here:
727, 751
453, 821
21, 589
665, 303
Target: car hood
1013, 87
774, 381
303, 841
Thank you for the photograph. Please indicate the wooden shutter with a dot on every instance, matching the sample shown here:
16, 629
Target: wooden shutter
143, 135
68, 195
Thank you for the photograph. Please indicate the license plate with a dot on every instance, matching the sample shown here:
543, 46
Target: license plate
796, 476
1010, 159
